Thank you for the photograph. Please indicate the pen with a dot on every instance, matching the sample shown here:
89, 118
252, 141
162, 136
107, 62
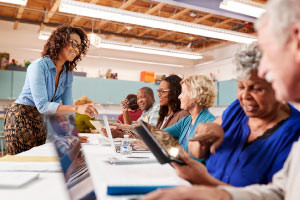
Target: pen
137, 157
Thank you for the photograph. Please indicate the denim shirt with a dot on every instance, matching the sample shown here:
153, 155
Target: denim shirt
39, 87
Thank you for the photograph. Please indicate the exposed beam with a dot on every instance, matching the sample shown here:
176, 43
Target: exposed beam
223, 22
50, 14
176, 16
77, 18
123, 7
19, 16
196, 21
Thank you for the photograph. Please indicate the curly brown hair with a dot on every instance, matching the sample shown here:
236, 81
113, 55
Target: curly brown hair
60, 38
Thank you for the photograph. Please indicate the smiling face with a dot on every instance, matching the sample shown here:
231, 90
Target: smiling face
163, 93
256, 96
144, 100
186, 102
70, 51
281, 62
61, 125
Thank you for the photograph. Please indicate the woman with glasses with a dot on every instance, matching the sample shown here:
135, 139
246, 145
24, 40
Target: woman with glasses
170, 111
197, 95
48, 82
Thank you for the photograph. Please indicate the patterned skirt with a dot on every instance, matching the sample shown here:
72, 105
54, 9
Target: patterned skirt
24, 128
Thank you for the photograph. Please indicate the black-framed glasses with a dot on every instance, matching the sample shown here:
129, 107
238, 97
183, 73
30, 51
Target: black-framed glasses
161, 91
75, 44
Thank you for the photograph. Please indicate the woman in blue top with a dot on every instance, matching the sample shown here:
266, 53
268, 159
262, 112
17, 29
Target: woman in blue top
258, 133
197, 95
48, 82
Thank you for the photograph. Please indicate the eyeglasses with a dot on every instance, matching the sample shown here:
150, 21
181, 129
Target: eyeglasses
161, 91
75, 44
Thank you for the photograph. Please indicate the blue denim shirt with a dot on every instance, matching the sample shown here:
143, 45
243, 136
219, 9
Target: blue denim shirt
39, 87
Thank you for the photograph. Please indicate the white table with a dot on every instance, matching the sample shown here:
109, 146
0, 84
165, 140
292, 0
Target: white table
50, 185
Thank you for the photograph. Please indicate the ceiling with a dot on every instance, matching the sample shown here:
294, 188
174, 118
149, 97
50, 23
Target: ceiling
45, 13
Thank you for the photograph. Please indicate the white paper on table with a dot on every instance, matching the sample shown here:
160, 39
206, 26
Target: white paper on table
16, 179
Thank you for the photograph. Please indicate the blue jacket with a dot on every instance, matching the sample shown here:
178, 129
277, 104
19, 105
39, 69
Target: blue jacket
181, 128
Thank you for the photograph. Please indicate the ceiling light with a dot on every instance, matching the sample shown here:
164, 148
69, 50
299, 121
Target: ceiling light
192, 14
19, 2
44, 35
128, 17
135, 61
123, 46
95, 40
245, 7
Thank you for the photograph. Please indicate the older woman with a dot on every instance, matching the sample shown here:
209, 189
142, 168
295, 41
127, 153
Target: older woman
48, 82
198, 94
170, 111
258, 133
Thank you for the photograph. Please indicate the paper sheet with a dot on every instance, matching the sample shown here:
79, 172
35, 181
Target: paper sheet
9, 158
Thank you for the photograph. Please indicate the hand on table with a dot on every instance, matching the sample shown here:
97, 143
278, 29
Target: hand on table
188, 193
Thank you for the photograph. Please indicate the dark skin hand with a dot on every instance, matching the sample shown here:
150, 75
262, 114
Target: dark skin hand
194, 171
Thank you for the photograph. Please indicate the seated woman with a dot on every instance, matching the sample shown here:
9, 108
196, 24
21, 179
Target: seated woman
130, 110
170, 111
82, 121
198, 94
258, 133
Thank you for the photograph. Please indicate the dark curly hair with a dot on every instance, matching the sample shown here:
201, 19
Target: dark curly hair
60, 38
173, 101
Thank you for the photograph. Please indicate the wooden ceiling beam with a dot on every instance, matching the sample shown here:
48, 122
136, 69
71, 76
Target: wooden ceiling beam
123, 7
77, 18
223, 22
49, 14
19, 16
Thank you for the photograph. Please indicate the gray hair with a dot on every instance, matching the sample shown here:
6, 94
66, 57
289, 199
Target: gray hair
247, 60
281, 15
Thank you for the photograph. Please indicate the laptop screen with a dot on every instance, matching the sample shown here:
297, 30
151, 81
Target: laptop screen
64, 135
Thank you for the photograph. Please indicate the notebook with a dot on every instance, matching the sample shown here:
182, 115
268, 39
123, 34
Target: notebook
116, 145
16, 179
76, 173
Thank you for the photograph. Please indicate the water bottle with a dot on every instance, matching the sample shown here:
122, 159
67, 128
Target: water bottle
126, 148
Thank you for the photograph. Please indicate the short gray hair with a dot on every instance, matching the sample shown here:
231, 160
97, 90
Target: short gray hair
247, 60
282, 14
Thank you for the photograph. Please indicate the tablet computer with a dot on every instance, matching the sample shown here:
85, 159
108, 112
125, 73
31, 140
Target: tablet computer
155, 147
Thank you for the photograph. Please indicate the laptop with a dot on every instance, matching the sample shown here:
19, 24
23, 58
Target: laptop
116, 145
155, 147
66, 141
76, 174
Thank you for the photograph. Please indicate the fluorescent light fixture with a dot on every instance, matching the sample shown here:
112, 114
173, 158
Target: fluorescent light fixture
123, 46
95, 40
44, 35
245, 7
128, 17
135, 61
19, 2
149, 50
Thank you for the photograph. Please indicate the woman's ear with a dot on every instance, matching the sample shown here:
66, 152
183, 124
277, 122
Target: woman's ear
295, 39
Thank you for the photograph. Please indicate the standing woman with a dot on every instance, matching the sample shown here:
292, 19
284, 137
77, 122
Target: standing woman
170, 111
48, 81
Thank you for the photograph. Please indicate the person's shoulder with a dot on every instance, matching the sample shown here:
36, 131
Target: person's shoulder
181, 113
41, 63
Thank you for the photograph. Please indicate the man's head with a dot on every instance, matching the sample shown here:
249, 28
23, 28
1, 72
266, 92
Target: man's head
60, 124
145, 98
279, 40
